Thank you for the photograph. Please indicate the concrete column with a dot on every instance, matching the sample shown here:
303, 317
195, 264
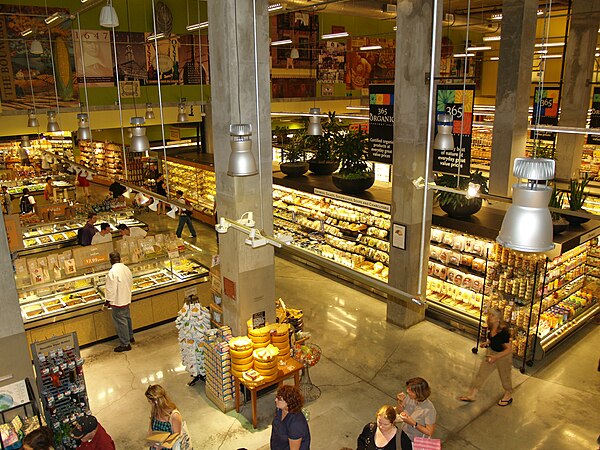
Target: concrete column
512, 91
413, 52
239, 97
575, 95
16, 363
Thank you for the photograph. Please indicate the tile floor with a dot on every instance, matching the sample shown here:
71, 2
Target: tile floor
365, 362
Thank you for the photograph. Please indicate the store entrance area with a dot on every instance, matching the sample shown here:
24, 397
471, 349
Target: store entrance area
365, 361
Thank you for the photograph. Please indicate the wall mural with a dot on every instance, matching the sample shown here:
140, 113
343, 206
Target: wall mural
97, 57
168, 60
191, 62
16, 79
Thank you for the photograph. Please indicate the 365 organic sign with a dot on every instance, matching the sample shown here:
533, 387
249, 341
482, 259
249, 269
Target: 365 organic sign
381, 123
545, 111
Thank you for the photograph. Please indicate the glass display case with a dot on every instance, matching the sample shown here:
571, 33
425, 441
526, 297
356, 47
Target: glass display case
197, 181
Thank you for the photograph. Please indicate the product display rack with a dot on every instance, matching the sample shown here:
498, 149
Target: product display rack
106, 158
61, 383
219, 381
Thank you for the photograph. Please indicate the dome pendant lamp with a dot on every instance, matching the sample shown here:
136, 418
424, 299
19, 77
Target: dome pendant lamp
83, 132
33, 121
182, 115
314, 123
52, 123
139, 140
149, 111
527, 225
108, 16
241, 160
444, 140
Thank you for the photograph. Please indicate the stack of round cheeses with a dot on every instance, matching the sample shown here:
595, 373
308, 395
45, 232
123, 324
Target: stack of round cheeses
280, 338
260, 336
240, 349
265, 362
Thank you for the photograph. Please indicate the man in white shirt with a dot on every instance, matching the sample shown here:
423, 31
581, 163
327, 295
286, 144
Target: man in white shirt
131, 233
103, 236
117, 294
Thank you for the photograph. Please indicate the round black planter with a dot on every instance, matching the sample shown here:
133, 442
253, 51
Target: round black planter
469, 209
323, 167
294, 169
558, 226
353, 185
574, 220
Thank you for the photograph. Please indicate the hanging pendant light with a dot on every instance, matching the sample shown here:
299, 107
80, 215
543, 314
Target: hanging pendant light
149, 111
36, 48
527, 225
173, 212
314, 123
108, 16
33, 121
83, 132
444, 140
139, 140
52, 123
294, 54
241, 160
182, 115
25, 141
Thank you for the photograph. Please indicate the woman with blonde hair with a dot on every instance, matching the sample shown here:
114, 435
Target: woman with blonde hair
164, 415
498, 356
381, 434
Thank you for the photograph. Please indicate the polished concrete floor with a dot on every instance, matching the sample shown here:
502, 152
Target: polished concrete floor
365, 362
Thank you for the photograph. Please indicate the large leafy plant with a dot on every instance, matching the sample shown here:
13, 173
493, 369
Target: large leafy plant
577, 194
352, 153
324, 146
455, 200
295, 151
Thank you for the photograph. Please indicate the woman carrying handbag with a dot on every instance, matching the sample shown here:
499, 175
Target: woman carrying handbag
166, 417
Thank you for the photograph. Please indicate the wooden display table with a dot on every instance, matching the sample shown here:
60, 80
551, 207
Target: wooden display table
291, 368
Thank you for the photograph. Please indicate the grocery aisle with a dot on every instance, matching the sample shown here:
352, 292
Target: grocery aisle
365, 362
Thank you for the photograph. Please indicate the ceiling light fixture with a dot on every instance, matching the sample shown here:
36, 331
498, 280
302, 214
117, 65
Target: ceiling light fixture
139, 140
495, 58
281, 42
52, 18
83, 132
33, 121
550, 44
274, 7
36, 48
550, 56
335, 35
314, 122
479, 48
26, 32
491, 38
155, 37
197, 26
108, 16
371, 47
53, 125
444, 139
182, 114
527, 225
241, 160
463, 55
496, 16
149, 112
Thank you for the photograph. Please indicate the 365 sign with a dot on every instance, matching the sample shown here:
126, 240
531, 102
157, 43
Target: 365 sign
545, 111
457, 101
381, 123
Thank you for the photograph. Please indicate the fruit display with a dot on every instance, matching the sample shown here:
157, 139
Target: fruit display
308, 354
192, 323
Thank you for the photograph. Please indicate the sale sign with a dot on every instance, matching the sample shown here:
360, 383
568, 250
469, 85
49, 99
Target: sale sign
545, 111
456, 101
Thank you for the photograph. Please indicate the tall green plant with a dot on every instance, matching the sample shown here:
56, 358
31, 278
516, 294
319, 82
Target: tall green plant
556, 201
577, 194
454, 200
324, 146
295, 151
351, 151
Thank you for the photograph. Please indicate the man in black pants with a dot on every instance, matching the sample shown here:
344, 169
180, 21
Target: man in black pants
185, 217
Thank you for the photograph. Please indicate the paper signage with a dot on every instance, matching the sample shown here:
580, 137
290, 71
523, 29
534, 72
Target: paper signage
545, 111
381, 123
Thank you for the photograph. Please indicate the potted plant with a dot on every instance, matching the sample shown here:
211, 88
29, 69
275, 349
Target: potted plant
293, 156
355, 174
458, 205
576, 197
323, 161
559, 223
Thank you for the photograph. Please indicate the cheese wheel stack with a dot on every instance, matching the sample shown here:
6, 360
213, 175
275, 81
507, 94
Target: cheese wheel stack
240, 349
261, 337
280, 338
265, 362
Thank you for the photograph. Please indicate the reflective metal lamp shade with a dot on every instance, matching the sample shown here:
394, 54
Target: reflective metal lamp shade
444, 140
36, 48
108, 16
527, 225
52, 123
149, 111
139, 140
83, 132
33, 121
294, 53
314, 123
241, 160
182, 115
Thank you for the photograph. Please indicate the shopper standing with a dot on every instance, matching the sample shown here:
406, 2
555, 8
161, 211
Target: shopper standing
48, 190
103, 236
86, 233
27, 202
416, 411
185, 217
161, 189
290, 429
84, 184
164, 415
91, 434
498, 357
6, 201
131, 233
119, 282
39, 439
381, 434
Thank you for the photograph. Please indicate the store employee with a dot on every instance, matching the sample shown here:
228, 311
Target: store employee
131, 233
103, 236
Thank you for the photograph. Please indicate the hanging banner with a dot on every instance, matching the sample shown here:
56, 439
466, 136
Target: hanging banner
545, 111
131, 57
97, 57
457, 101
168, 60
381, 123
595, 118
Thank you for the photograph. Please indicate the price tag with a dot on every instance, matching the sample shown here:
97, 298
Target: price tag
173, 254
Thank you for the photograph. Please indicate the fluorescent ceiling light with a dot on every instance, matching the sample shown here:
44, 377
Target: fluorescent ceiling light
275, 7
541, 51
335, 35
462, 55
550, 56
550, 44
371, 47
281, 42
479, 48
358, 108
153, 37
196, 26
596, 54
491, 38
52, 18
396, 28
540, 12
494, 58
26, 32
496, 16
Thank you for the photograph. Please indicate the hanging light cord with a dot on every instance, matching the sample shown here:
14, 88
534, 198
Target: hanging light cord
87, 102
160, 104
201, 67
120, 105
31, 83
130, 43
464, 91
54, 73
237, 59
258, 134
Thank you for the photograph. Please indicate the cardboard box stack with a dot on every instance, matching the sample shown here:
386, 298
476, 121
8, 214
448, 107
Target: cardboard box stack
219, 382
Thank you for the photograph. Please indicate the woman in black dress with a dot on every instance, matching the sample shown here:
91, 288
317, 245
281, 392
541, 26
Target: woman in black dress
161, 189
382, 434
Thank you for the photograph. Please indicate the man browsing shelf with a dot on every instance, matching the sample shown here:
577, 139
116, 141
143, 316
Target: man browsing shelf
119, 283
103, 236
131, 233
